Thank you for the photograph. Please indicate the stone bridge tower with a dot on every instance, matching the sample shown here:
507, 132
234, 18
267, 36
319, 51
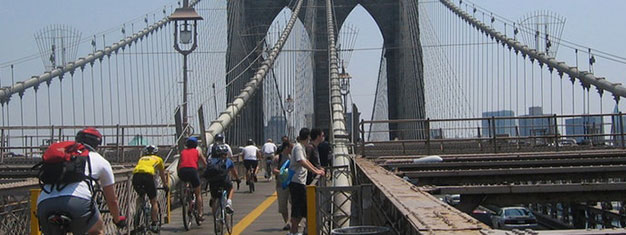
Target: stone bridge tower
249, 21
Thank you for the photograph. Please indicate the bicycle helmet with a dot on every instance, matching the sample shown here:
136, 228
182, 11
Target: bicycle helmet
191, 142
221, 149
219, 138
89, 136
250, 142
150, 150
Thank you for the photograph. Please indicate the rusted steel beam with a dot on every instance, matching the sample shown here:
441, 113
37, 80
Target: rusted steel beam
509, 176
512, 163
410, 210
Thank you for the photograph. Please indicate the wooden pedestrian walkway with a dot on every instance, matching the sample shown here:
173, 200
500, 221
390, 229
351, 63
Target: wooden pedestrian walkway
255, 213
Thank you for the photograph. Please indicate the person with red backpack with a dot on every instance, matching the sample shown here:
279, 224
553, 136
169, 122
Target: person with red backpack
188, 169
67, 176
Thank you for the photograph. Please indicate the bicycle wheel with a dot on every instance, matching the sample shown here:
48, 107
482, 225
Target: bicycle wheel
147, 219
228, 217
184, 201
218, 219
196, 211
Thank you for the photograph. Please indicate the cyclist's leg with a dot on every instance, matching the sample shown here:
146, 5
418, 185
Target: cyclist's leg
248, 165
97, 229
228, 187
215, 195
195, 184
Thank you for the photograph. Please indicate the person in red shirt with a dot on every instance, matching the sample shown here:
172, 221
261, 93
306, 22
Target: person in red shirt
188, 169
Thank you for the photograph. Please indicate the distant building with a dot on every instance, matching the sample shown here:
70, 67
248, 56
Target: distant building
615, 127
502, 126
585, 126
276, 128
535, 126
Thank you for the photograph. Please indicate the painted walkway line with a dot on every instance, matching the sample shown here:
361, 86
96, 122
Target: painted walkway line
253, 215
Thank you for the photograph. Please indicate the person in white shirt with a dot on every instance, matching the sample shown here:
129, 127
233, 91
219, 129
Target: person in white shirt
75, 199
219, 140
269, 150
251, 155
299, 164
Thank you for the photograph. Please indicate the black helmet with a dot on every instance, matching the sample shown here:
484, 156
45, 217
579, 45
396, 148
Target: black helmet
219, 137
191, 142
250, 142
221, 149
150, 150
89, 136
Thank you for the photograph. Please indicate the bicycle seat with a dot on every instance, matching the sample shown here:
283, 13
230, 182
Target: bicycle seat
60, 219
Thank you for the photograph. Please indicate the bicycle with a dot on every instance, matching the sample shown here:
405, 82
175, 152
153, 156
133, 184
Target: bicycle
143, 215
188, 202
250, 179
268, 168
222, 219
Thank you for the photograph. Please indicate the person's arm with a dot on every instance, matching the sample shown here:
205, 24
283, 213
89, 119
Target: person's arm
161, 167
276, 168
203, 160
306, 164
258, 155
233, 172
107, 180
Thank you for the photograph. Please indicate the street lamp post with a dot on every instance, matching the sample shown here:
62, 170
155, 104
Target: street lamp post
188, 19
289, 104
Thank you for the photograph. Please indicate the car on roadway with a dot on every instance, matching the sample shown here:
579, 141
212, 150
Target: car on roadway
514, 218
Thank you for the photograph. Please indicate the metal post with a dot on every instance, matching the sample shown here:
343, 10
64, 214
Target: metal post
362, 137
34, 221
51, 135
621, 128
185, 121
117, 140
311, 212
215, 100
556, 133
2, 146
492, 131
428, 136
123, 152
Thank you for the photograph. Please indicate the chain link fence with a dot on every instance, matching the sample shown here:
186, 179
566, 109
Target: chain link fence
15, 206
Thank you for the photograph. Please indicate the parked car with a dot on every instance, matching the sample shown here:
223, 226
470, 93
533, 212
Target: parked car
514, 218
453, 199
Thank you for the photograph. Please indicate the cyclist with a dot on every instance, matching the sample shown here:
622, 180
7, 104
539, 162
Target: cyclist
188, 169
268, 149
76, 199
219, 140
251, 155
143, 179
217, 174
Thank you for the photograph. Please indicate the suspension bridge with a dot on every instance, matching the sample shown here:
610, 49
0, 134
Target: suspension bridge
501, 112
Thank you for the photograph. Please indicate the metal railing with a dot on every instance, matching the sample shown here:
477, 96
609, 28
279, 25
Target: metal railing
325, 213
497, 134
20, 199
31, 141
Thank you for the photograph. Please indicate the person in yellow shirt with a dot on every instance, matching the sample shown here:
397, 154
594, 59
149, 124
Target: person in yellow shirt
143, 179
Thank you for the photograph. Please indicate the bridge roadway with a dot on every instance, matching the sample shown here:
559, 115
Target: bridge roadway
255, 213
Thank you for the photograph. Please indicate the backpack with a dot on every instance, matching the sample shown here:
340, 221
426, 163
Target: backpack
64, 163
216, 172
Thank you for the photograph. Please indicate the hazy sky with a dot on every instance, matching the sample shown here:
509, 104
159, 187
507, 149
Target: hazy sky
595, 23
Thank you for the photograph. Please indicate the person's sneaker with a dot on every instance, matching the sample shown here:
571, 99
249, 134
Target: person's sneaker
287, 227
229, 206
154, 227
